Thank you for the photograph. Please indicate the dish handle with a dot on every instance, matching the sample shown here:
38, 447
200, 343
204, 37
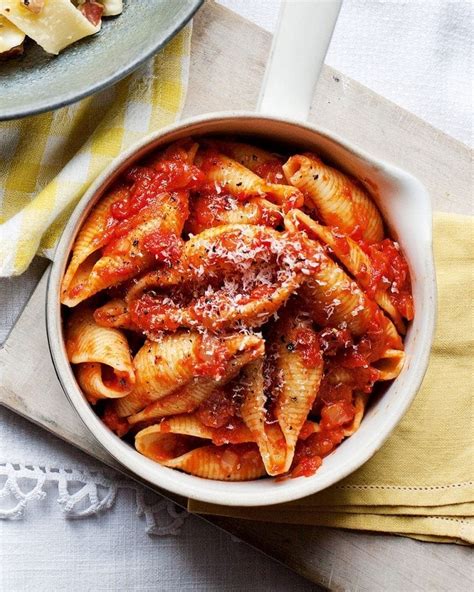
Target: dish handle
297, 55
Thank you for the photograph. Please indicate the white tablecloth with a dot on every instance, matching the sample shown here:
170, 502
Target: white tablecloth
416, 53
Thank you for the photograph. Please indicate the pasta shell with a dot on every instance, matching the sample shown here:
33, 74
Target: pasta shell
165, 366
298, 366
89, 240
351, 255
90, 377
333, 299
209, 211
242, 350
251, 157
187, 425
338, 200
105, 364
232, 462
238, 462
183, 400
240, 182
360, 403
269, 438
161, 367
160, 278
254, 254
128, 255
390, 364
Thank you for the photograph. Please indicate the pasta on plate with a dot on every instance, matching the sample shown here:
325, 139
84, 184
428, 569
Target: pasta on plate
52, 24
230, 310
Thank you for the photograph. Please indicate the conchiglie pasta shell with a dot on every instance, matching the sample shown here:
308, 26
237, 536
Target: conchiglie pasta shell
114, 313
253, 313
333, 298
160, 278
90, 379
339, 201
129, 256
299, 382
242, 350
163, 446
269, 438
240, 181
390, 364
187, 425
161, 367
204, 258
247, 155
206, 248
183, 400
196, 257
86, 343
239, 462
253, 407
226, 463
171, 364
256, 210
351, 255
360, 403
88, 241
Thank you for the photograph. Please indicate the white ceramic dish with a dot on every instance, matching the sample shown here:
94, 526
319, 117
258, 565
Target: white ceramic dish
406, 208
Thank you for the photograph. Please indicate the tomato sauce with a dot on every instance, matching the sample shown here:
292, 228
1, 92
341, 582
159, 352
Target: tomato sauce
338, 385
218, 409
168, 182
213, 357
153, 313
390, 272
208, 208
118, 425
336, 414
233, 432
164, 245
310, 452
307, 345
271, 171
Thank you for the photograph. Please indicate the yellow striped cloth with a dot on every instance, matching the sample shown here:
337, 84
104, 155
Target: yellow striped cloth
48, 161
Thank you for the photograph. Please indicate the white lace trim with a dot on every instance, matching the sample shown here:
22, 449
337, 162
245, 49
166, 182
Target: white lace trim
94, 493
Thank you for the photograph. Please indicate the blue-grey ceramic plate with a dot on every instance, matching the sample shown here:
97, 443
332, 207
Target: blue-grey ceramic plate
39, 82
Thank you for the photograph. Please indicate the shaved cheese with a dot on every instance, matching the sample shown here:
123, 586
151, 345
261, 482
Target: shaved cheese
58, 25
10, 36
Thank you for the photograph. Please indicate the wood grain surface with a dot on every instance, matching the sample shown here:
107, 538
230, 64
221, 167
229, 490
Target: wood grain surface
228, 60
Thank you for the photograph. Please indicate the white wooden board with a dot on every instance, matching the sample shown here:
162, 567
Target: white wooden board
228, 61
